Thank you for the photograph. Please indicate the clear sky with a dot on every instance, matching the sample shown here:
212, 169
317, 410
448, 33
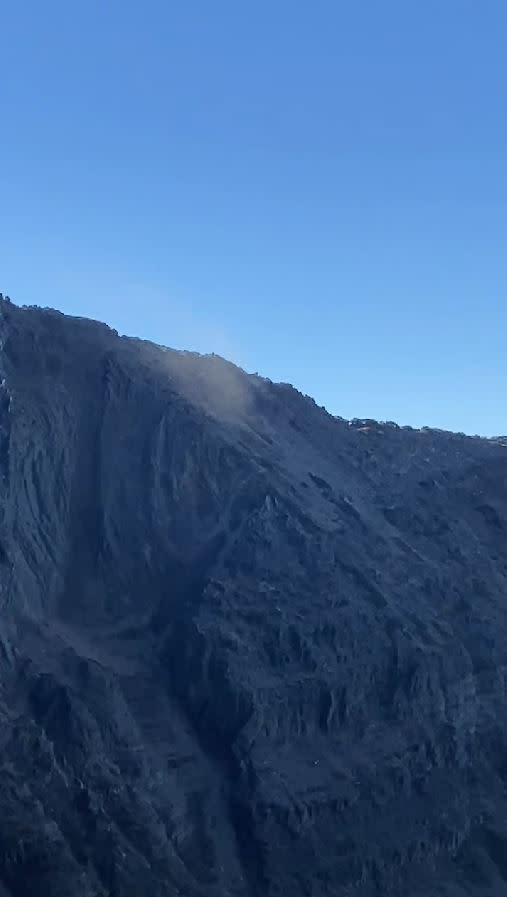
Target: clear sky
316, 190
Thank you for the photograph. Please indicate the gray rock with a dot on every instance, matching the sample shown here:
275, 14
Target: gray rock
246, 649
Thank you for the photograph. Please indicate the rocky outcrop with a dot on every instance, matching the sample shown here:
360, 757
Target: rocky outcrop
246, 648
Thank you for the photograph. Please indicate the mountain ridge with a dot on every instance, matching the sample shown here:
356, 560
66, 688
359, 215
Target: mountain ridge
356, 421
247, 648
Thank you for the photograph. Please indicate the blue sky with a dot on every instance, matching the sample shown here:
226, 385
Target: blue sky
316, 190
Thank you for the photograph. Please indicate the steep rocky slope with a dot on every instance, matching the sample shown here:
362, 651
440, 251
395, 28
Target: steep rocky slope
246, 648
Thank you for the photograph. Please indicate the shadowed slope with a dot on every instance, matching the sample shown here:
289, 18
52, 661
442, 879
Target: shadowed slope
246, 648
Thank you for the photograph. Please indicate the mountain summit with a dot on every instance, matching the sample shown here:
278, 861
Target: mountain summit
247, 649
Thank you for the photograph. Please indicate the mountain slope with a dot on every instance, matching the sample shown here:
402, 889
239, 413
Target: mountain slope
246, 648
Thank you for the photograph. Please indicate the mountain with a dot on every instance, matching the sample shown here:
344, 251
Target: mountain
247, 648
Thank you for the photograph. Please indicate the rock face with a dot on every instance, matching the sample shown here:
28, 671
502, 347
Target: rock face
246, 649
